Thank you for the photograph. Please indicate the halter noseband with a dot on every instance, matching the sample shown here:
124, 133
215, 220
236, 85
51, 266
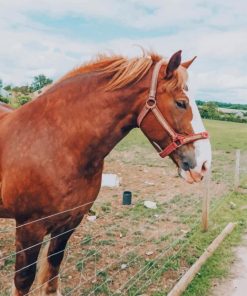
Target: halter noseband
178, 140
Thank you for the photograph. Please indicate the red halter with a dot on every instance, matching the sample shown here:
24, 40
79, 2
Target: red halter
178, 140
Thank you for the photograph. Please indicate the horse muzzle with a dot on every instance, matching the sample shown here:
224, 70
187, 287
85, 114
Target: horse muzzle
194, 175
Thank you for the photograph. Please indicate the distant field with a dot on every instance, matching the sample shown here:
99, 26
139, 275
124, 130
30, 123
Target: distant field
224, 135
227, 135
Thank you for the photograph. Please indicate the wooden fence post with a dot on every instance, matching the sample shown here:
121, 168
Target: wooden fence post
206, 202
237, 170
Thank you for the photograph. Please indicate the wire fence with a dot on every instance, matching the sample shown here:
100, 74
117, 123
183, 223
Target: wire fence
112, 259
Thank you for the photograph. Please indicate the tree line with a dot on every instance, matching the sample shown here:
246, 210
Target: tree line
224, 105
210, 110
19, 95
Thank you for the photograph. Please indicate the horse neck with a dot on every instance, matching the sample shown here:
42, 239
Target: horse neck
115, 116
104, 118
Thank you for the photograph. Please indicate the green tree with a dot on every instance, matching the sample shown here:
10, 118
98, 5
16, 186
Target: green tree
8, 87
40, 81
1, 83
24, 89
23, 100
4, 100
209, 110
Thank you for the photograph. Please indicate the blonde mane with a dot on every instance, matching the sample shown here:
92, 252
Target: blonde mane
123, 71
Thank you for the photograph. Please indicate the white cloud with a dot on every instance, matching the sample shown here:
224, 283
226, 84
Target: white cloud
134, 13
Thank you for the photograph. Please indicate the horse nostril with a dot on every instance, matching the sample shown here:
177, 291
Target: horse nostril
186, 166
204, 167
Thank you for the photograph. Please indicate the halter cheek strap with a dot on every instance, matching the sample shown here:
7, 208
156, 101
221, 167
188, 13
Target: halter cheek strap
178, 140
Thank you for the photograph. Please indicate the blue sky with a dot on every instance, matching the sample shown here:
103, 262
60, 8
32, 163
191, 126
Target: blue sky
51, 37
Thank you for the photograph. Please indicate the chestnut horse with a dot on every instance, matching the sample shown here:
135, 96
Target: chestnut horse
53, 149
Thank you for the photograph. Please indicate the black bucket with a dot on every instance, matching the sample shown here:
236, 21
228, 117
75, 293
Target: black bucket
127, 197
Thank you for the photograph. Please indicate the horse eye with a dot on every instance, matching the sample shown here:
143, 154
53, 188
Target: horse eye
181, 104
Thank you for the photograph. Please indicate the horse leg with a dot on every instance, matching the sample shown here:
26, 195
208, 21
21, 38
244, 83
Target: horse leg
52, 256
28, 242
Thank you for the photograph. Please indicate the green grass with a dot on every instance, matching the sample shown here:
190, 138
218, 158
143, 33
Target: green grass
87, 240
217, 267
106, 242
222, 134
192, 247
140, 212
227, 135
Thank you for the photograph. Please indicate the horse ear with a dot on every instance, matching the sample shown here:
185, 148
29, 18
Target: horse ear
173, 64
188, 63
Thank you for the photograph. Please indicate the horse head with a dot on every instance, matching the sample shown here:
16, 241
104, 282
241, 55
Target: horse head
171, 121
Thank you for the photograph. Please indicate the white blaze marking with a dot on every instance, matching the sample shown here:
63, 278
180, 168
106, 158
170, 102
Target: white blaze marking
202, 147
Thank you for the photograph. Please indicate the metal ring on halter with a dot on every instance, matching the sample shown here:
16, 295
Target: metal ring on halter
151, 103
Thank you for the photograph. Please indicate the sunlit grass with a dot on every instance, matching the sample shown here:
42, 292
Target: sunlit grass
224, 135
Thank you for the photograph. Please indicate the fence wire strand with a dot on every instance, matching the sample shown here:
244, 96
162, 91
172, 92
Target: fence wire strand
124, 288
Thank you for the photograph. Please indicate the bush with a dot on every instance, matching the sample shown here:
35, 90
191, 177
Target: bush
23, 100
4, 100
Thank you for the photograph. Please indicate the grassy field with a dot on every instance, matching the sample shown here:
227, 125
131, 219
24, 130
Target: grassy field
224, 135
227, 136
